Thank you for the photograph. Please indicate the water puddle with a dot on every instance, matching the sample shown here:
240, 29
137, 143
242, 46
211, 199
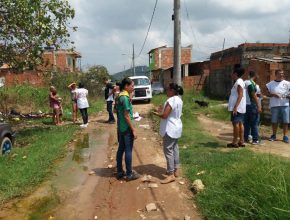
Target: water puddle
66, 193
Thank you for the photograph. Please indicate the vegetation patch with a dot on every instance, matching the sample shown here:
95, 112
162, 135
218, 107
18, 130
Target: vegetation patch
30, 164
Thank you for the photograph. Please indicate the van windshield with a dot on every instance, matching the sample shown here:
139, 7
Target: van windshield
141, 82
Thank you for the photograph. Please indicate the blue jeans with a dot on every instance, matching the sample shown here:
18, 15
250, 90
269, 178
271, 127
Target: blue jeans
110, 110
126, 141
251, 122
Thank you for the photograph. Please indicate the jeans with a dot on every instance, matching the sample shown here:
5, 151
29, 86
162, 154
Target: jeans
110, 110
171, 152
126, 141
84, 113
251, 122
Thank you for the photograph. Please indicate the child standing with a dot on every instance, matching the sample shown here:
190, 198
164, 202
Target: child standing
55, 105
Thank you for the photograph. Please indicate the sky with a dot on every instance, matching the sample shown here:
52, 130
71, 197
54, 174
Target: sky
107, 29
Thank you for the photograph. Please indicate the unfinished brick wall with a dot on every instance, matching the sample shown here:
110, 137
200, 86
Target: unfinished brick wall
60, 61
163, 57
28, 77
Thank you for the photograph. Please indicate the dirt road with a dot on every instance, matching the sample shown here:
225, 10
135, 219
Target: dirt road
101, 195
223, 131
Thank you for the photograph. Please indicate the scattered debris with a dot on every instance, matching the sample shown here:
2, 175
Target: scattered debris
187, 217
197, 186
138, 187
146, 178
153, 185
92, 172
151, 207
181, 182
24, 157
184, 147
110, 166
200, 173
142, 216
139, 210
145, 126
144, 139
96, 217
51, 217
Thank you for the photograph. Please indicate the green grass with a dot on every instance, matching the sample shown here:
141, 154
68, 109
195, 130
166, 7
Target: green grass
26, 98
41, 146
239, 184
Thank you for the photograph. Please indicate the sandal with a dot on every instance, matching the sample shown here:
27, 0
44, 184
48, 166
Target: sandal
232, 145
241, 144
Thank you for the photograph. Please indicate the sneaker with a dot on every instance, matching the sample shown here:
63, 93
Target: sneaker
285, 139
168, 179
273, 137
84, 125
256, 142
121, 175
133, 176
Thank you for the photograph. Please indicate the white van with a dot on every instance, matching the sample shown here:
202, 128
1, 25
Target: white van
143, 89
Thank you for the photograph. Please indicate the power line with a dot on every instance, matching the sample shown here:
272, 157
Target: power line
188, 21
148, 28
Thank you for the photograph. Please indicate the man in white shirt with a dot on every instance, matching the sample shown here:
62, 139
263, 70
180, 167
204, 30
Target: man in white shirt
278, 91
237, 107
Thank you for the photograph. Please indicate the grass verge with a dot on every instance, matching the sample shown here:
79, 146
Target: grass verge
239, 184
30, 164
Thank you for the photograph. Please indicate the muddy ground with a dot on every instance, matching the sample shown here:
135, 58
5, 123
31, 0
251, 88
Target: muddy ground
80, 195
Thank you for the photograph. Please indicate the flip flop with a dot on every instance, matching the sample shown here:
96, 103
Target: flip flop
232, 145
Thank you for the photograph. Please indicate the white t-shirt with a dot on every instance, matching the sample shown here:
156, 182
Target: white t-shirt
280, 88
111, 97
259, 93
172, 125
234, 96
82, 101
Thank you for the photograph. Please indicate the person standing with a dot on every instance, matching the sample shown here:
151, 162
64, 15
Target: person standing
73, 90
82, 103
126, 131
171, 129
109, 96
55, 105
278, 91
253, 110
237, 108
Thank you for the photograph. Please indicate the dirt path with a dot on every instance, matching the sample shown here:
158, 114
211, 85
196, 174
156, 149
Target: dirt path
223, 131
84, 196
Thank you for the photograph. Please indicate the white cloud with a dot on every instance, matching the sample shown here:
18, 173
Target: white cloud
108, 28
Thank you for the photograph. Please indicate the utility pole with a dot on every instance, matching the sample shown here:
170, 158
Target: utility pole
177, 47
133, 61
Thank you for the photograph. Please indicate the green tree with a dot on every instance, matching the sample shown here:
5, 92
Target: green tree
94, 79
97, 73
27, 26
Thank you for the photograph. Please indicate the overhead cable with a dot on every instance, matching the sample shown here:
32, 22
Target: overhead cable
148, 28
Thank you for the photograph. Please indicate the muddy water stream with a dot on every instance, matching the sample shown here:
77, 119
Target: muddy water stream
70, 192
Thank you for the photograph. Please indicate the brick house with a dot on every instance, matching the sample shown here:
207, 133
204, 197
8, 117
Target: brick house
161, 59
61, 60
219, 82
193, 75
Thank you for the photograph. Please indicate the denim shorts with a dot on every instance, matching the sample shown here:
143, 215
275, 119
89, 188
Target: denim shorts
280, 114
239, 117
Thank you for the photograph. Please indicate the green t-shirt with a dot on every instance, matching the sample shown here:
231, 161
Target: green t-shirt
124, 104
252, 88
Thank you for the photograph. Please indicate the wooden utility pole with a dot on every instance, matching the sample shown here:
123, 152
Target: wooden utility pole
177, 47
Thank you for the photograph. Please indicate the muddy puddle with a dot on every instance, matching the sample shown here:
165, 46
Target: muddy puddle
66, 194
